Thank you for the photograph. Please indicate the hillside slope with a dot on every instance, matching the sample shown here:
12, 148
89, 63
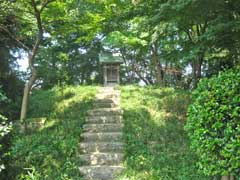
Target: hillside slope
50, 152
157, 147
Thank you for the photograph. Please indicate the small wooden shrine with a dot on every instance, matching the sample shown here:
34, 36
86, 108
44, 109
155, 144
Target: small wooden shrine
111, 68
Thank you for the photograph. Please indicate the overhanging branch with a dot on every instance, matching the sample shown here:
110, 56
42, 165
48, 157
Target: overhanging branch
14, 38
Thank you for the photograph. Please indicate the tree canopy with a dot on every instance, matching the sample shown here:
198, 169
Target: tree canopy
165, 43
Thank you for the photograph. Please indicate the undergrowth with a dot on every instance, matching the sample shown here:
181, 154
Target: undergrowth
49, 153
157, 147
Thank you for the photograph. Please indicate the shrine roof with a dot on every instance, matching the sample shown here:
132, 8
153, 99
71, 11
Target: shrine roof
109, 58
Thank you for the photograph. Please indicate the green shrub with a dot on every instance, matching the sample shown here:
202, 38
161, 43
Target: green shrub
5, 128
213, 123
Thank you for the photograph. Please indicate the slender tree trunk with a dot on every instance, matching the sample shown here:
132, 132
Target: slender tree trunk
194, 74
157, 66
29, 84
26, 93
31, 57
141, 77
197, 70
228, 177
132, 75
128, 70
164, 73
31, 54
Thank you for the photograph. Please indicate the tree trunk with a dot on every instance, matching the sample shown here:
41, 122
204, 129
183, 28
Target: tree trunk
29, 84
31, 57
141, 77
128, 69
157, 66
197, 70
32, 53
194, 74
28, 87
25, 99
228, 177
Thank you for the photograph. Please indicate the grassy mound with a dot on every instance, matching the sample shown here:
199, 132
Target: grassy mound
157, 146
49, 152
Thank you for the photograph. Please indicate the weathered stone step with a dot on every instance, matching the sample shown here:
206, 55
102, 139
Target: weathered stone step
108, 96
102, 100
110, 127
101, 137
112, 90
89, 147
104, 105
101, 158
105, 111
104, 93
100, 172
104, 119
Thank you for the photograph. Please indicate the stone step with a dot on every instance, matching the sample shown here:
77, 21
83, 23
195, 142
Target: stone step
89, 147
98, 128
104, 105
100, 172
101, 159
104, 119
101, 137
107, 96
108, 90
105, 111
114, 93
102, 100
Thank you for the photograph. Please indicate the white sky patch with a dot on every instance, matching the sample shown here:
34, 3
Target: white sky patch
46, 35
116, 54
23, 62
188, 70
141, 83
82, 50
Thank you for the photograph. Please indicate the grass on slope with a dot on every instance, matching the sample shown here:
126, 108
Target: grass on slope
157, 147
50, 153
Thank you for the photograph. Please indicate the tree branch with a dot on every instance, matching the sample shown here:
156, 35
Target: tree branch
189, 35
14, 38
198, 30
45, 5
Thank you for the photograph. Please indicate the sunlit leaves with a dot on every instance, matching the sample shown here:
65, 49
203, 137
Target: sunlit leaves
213, 123
119, 39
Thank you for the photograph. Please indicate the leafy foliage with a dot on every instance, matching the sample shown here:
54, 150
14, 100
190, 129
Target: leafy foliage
203, 35
169, 43
10, 80
50, 152
5, 128
213, 123
156, 144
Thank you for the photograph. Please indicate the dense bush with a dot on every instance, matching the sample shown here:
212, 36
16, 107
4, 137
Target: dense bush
5, 128
214, 123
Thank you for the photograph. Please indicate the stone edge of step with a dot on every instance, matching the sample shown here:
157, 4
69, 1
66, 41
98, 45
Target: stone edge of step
101, 134
104, 147
102, 159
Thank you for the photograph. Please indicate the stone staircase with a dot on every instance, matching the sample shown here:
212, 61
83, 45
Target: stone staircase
102, 145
